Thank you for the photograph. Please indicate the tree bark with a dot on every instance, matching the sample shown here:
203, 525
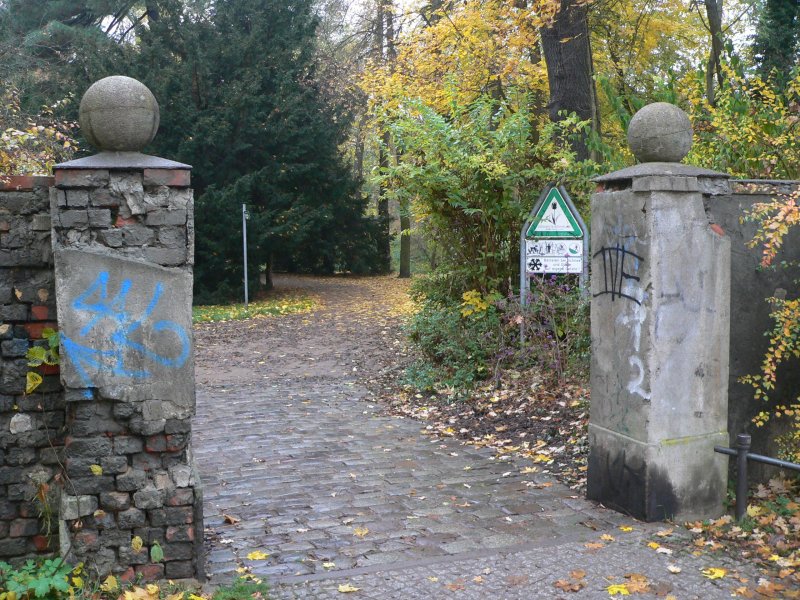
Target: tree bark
385, 238
568, 55
714, 66
358, 159
405, 245
385, 247
405, 219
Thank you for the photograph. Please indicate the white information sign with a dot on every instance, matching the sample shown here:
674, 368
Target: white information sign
553, 256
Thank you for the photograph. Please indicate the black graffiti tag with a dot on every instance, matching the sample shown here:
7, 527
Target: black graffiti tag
614, 273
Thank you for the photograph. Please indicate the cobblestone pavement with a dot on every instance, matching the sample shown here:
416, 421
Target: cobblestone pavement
306, 469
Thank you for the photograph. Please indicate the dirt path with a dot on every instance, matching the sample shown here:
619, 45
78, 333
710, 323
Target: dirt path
322, 488
353, 334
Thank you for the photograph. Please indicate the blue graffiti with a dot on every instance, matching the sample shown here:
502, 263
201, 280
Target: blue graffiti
95, 300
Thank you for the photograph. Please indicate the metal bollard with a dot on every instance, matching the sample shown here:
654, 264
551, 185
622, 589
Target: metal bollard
742, 448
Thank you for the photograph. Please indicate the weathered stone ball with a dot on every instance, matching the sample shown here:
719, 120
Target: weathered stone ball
119, 114
660, 132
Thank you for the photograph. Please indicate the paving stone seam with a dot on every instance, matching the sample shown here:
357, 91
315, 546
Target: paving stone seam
428, 561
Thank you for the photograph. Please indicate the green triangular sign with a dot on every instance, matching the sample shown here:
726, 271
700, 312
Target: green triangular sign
554, 219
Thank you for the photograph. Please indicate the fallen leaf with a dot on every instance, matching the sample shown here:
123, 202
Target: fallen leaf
360, 532
137, 544
594, 545
433, 579
328, 565
230, 519
753, 511
577, 574
257, 555
607, 538
714, 573
96, 470
771, 590
665, 532
110, 584
673, 569
569, 586
625, 528
618, 589
654, 545
346, 588
637, 584
477, 579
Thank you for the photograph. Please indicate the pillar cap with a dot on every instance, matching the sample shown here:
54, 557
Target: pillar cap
660, 168
121, 161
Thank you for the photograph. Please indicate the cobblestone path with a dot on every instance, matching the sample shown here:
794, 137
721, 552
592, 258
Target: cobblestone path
297, 463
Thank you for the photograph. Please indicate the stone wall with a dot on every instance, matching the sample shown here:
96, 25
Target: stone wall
750, 288
123, 244
31, 427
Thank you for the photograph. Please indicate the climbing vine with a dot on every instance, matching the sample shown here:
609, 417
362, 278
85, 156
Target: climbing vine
42, 355
776, 218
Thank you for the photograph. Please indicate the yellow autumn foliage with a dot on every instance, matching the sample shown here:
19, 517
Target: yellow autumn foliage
775, 219
31, 146
464, 51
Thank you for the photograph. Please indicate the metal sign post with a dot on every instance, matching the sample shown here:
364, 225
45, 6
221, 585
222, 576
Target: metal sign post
245, 216
554, 239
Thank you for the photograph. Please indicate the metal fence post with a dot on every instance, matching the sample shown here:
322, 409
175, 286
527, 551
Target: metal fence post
742, 448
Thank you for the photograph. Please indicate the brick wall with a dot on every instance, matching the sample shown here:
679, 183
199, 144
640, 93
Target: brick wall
31, 426
137, 227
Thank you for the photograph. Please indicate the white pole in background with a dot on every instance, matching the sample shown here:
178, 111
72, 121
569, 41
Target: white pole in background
245, 216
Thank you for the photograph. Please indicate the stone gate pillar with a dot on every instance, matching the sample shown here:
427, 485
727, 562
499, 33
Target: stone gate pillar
123, 245
660, 322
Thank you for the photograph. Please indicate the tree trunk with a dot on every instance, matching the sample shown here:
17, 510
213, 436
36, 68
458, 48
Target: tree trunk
358, 160
714, 67
568, 55
405, 244
405, 219
384, 239
268, 284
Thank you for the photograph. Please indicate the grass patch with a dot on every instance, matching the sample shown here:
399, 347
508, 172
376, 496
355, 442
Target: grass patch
242, 589
269, 307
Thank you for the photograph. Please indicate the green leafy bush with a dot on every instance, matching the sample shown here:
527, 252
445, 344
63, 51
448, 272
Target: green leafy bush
471, 176
48, 580
554, 327
467, 342
456, 350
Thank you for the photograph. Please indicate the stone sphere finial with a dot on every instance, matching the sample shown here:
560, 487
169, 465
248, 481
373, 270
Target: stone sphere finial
119, 114
660, 132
